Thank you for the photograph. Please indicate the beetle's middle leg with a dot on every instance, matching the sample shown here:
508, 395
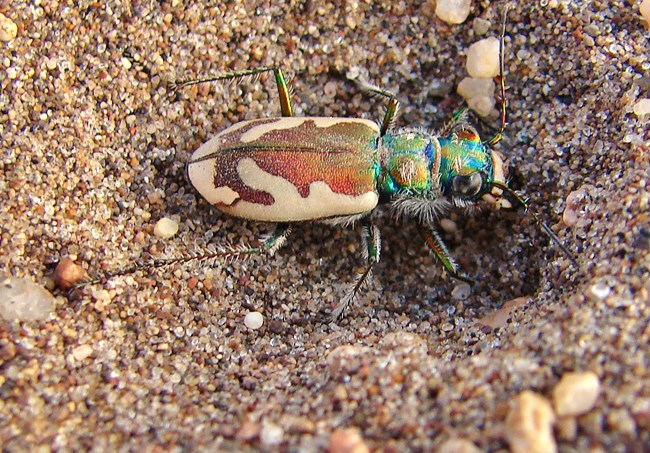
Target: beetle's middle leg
371, 251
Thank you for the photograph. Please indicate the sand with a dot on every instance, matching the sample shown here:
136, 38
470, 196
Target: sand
93, 148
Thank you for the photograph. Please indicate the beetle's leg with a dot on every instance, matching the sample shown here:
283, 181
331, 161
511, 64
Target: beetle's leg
269, 245
281, 81
371, 251
438, 247
391, 109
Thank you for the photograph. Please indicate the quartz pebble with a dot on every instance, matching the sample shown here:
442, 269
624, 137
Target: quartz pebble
453, 11
644, 9
254, 320
576, 393
271, 435
483, 58
8, 28
458, 446
461, 291
347, 441
82, 352
641, 107
23, 300
165, 228
478, 93
529, 424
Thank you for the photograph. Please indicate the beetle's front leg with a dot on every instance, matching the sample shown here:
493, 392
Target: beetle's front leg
438, 247
371, 251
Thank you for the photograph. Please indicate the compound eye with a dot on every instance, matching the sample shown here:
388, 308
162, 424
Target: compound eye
467, 186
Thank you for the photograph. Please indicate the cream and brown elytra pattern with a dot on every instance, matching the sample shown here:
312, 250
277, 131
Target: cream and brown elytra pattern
290, 169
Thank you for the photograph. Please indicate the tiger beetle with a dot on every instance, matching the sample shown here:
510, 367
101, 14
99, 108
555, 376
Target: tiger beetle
291, 169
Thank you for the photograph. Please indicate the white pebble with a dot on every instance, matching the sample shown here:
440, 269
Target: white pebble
599, 290
576, 393
529, 424
644, 9
165, 228
253, 320
478, 93
8, 28
483, 58
23, 300
271, 435
458, 446
453, 11
461, 291
642, 107
82, 352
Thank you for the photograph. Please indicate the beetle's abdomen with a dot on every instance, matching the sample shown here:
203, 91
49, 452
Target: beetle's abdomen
290, 169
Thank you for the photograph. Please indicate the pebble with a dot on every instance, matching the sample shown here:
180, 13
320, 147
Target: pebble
576, 393
453, 11
499, 318
82, 352
483, 59
641, 107
644, 9
8, 28
165, 228
599, 290
458, 446
23, 300
271, 435
254, 320
576, 202
68, 273
478, 93
461, 291
347, 441
529, 424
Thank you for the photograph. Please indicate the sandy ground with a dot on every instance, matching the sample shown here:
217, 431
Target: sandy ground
92, 156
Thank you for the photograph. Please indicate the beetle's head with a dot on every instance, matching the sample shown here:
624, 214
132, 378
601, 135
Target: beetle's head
469, 169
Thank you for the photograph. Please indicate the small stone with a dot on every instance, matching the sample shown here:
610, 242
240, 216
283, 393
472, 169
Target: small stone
347, 441
461, 291
254, 320
8, 28
453, 11
68, 273
644, 9
458, 446
599, 290
641, 107
499, 318
82, 352
271, 435
576, 393
23, 300
448, 225
248, 431
483, 58
576, 202
566, 428
478, 93
165, 228
529, 424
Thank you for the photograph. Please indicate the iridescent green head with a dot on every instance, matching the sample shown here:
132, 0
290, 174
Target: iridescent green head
468, 167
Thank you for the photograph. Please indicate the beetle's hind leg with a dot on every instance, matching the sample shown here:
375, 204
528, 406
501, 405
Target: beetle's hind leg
371, 251
268, 246
284, 92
